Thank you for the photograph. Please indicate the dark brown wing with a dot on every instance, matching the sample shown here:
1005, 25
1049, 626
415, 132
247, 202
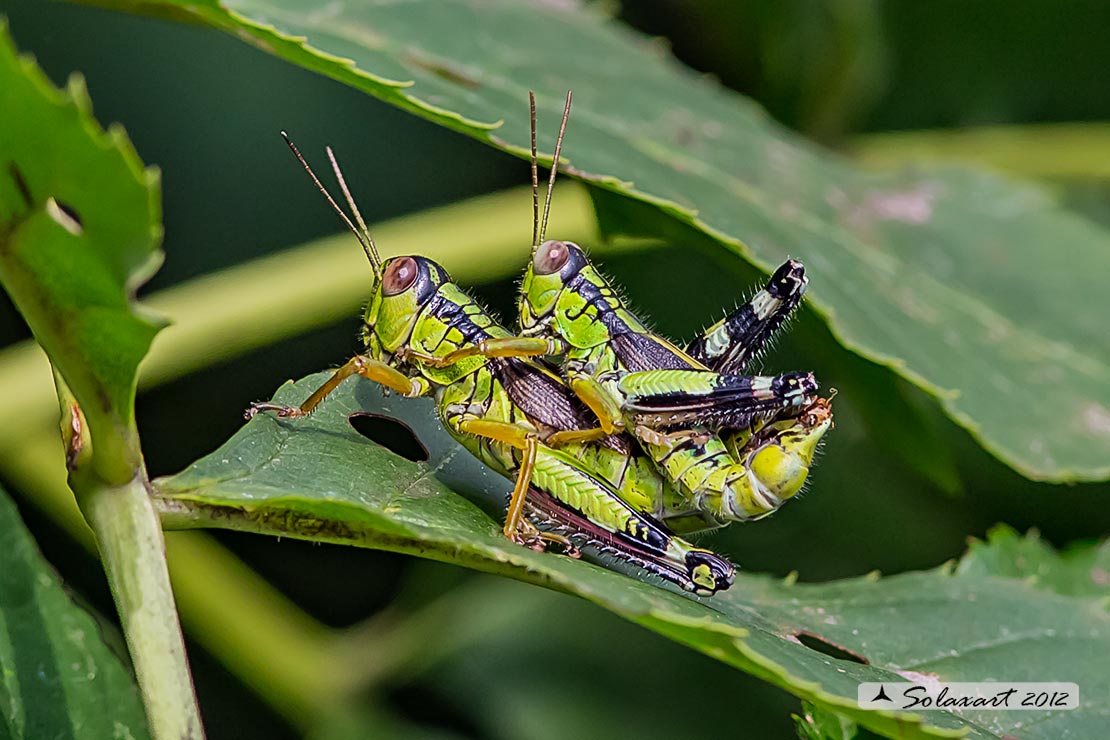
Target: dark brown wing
646, 352
541, 394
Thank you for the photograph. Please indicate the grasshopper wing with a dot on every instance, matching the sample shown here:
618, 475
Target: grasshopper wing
664, 398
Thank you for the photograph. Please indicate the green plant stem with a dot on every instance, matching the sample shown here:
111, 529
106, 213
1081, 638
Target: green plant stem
233, 612
129, 537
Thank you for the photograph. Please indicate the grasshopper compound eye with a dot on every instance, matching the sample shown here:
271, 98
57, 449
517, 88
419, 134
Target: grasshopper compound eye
550, 257
399, 275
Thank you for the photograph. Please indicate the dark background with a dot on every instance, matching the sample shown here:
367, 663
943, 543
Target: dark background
206, 109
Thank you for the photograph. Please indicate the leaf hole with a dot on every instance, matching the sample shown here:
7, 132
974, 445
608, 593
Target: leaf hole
823, 646
65, 216
392, 434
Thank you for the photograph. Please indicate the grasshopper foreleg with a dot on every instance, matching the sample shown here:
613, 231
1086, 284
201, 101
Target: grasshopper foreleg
366, 367
494, 347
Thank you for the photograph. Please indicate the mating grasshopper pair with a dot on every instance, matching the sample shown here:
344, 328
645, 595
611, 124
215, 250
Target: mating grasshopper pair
577, 475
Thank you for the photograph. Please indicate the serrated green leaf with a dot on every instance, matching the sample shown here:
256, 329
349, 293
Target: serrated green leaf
1081, 571
952, 278
818, 724
57, 677
318, 479
79, 231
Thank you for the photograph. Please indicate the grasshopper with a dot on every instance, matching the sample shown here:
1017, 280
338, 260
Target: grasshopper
514, 414
672, 401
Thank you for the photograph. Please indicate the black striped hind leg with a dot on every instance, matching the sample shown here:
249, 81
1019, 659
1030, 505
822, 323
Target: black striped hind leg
730, 344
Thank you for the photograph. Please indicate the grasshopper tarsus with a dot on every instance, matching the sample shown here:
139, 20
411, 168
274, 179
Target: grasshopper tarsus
280, 411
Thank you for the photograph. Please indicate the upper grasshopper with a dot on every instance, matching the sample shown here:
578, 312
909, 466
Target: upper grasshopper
512, 413
673, 403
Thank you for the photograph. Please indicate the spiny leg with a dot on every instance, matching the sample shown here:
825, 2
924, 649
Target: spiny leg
367, 367
732, 342
671, 398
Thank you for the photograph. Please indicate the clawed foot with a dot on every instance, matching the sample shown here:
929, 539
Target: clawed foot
567, 548
670, 439
539, 541
530, 539
280, 411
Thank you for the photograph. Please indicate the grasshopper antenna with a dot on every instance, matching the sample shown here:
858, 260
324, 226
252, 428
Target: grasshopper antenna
535, 176
554, 167
369, 240
367, 247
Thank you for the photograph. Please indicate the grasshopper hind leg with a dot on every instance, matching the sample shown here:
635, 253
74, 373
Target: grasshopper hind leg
730, 344
546, 540
571, 502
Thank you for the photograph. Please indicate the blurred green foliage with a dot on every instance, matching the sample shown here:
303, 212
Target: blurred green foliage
58, 674
206, 109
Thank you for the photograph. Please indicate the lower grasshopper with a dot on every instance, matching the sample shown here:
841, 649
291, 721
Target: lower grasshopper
674, 404
512, 413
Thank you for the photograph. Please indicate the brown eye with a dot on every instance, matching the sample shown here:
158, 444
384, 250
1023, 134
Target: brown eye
399, 275
550, 257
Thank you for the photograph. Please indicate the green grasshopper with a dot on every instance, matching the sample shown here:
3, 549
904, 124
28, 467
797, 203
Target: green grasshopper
514, 414
672, 402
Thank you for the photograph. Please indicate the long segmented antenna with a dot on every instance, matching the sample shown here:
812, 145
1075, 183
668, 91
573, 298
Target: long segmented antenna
374, 258
535, 176
554, 168
371, 252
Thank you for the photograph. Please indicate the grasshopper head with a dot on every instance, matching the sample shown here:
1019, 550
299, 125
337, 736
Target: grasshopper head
406, 287
553, 267
559, 285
